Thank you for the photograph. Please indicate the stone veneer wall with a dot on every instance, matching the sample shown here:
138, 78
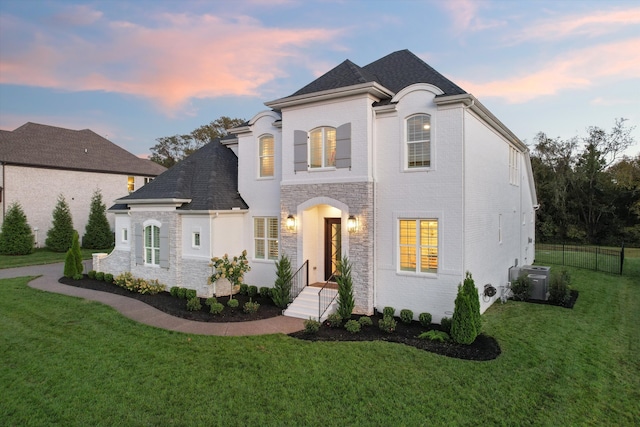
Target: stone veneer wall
358, 196
195, 275
116, 263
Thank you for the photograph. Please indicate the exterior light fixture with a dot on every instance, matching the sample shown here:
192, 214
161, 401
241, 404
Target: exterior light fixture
291, 223
352, 224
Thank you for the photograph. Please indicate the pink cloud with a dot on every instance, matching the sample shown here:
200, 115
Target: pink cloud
578, 70
466, 17
181, 57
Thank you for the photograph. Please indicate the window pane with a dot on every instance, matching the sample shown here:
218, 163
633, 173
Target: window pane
330, 147
273, 228
259, 248
156, 237
419, 128
428, 246
315, 148
266, 156
156, 260
259, 232
148, 255
408, 258
273, 249
407, 232
147, 236
418, 154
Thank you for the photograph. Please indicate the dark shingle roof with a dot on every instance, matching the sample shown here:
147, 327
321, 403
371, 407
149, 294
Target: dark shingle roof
209, 177
394, 71
39, 145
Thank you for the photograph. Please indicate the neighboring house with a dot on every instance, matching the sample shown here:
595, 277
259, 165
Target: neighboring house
40, 162
390, 164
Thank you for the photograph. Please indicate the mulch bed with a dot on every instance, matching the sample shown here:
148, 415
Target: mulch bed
483, 348
572, 300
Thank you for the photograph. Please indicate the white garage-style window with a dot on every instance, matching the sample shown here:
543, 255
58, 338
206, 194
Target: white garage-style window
418, 140
322, 147
265, 231
265, 153
418, 245
152, 245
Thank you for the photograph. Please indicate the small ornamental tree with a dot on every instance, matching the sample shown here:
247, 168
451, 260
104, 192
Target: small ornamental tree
463, 329
16, 237
60, 235
345, 289
98, 233
282, 288
73, 261
469, 288
231, 269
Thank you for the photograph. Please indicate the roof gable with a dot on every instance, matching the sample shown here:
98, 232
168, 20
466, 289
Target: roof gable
345, 74
40, 145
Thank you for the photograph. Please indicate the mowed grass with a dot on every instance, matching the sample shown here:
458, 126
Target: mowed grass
71, 362
42, 256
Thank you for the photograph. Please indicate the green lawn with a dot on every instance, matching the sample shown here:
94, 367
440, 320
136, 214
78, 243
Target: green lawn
66, 361
42, 256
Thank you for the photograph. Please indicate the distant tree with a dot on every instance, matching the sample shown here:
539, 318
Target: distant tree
171, 149
60, 235
16, 237
98, 233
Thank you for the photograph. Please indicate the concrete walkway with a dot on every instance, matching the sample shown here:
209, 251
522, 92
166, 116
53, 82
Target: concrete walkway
143, 313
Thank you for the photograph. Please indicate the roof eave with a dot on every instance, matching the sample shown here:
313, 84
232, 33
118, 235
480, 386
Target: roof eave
168, 201
372, 88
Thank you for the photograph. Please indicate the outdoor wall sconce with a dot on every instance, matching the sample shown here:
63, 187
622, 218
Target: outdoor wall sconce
352, 224
291, 223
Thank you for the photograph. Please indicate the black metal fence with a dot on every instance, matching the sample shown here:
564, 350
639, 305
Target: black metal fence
610, 260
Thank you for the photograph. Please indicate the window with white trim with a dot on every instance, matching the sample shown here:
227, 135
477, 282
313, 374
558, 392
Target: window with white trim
418, 245
265, 232
195, 240
418, 139
125, 235
152, 245
514, 160
322, 147
265, 154
131, 184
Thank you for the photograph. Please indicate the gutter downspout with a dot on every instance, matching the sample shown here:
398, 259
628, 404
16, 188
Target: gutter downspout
375, 204
464, 183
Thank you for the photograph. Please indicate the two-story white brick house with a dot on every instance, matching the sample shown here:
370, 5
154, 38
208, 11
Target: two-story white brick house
390, 164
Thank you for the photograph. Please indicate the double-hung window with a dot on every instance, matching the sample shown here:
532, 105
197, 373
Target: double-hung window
419, 141
265, 152
514, 160
322, 147
265, 231
418, 241
152, 245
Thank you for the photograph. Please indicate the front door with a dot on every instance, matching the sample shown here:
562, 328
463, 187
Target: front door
332, 245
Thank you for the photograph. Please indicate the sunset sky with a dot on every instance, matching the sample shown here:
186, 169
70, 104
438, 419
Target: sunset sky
134, 71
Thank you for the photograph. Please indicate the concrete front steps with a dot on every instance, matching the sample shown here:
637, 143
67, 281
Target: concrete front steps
306, 304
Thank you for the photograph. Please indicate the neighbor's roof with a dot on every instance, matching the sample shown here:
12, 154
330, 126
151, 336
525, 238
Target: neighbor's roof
208, 177
394, 71
46, 146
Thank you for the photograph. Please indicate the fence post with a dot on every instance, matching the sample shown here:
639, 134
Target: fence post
621, 258
563, 254
597, 250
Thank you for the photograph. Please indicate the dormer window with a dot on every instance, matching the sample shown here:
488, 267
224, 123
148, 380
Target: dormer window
322, 147
419, 141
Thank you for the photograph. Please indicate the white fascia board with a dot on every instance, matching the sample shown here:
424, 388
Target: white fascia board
214, 212
164, 202
471, 102
372, 88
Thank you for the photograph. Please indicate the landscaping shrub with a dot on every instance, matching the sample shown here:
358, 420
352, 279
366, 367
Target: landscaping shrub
389, 311
174, 291
425, 319
434, 335
230, 269
121, 279
346, 303
559, 288
365, 321
193, 304
406, 316
463, 328
521, 288
181, 293
211, 301
216, 308
73, 261
108, 277
60, 235
252, 291
91, 274
232, 303
387, 324
334, 320
469, 288
127, 281
282, 287
265, 292
70, 269
353, 326
97, 233
190, 293
445, 324
244, 289
251, 307
311, 326
99, 275
16, 237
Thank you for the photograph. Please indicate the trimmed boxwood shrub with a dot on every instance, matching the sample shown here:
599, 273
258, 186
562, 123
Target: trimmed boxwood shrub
216, 308
445, 324
353, 326
181, 293
265, 292
194, 304
190, 293
387, 324
406, 316
425, 319
334, 320
365, 321
233, 303
174, 291
244, 289
389, 311
100, 275
108, 277
252, 291
91, 274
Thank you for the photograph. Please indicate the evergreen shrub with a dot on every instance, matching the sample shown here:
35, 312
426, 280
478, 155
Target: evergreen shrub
389, 311
311, 326
387, 324
425, 319
406, 316
99, 274
216, 308
97, 233
251, 307
353, 326
265, 292
282, 287
16, 237
445, 324
365, 321
194, 304
334, 320
252, 291
232, 303
91, 274
346, 303
60, 235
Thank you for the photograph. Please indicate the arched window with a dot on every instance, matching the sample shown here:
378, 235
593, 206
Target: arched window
418, 141
265, 153
152, 245
322, 147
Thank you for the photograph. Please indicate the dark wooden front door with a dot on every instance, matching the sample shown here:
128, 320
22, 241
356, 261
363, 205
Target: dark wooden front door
332, 245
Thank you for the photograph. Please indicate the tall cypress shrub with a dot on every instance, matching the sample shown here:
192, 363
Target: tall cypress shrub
282, 287
73, 261
463, 329
60, 235
469, 288
16, 237
346, 302
98, 233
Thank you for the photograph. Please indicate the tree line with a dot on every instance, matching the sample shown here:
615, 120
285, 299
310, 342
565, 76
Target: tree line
588, 191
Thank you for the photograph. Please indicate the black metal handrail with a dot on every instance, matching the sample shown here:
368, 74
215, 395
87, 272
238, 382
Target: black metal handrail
299, 280
324, 298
